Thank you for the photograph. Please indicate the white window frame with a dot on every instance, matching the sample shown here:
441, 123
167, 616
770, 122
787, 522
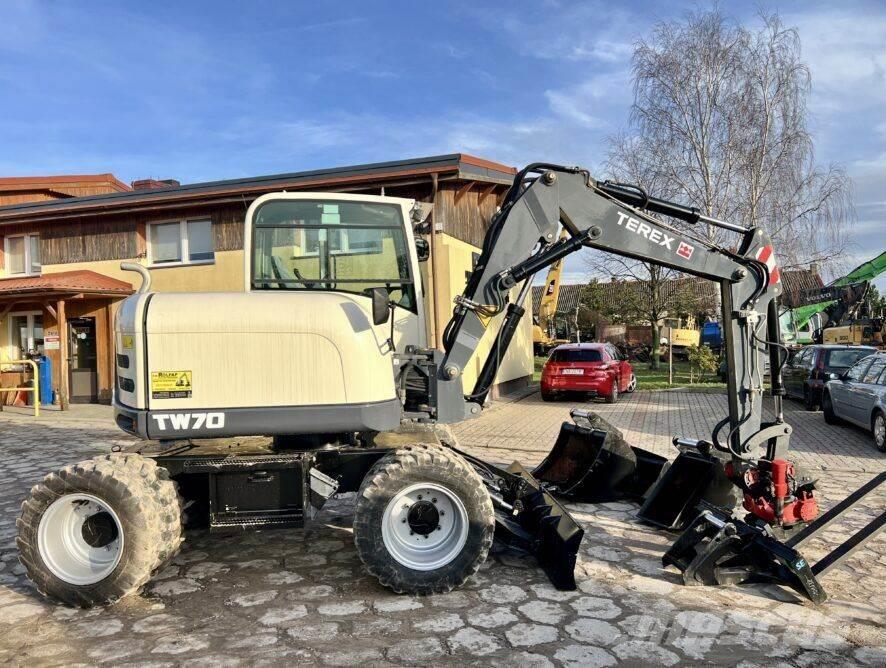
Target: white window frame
27, 247
30, 325
182, 240
345, 244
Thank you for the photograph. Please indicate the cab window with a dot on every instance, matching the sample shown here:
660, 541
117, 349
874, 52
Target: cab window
334, 245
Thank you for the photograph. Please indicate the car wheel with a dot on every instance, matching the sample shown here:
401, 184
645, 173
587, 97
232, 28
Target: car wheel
827, 407
613, 393
547, 396
632, 384
810, 400
879, 429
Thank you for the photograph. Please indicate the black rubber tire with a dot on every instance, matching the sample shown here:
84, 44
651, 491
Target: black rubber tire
827, 407
878, 416
415, 464
612, 397
141, 499
170, 505
810, 401
548, 396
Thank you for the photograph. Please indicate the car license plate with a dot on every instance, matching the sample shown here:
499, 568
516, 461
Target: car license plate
573, 372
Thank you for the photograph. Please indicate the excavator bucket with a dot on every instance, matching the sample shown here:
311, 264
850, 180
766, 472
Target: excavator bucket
590, 462
531, 520
693, 477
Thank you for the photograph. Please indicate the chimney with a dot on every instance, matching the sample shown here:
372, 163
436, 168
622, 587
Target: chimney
813, 267
154, 184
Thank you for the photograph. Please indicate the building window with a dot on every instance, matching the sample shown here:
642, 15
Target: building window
25, 334
22, 254
180, 242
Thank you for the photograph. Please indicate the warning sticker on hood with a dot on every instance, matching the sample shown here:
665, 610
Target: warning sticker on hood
170, 384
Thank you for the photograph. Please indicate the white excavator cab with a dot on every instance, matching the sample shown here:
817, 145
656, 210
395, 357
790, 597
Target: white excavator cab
300, 349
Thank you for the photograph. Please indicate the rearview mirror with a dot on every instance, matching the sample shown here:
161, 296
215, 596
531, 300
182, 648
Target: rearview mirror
380, 305
422, 249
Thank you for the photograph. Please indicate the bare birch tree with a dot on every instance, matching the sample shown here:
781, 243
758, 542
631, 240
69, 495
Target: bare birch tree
719, 121
720, 116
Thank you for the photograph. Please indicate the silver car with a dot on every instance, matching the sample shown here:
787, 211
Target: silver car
859, 396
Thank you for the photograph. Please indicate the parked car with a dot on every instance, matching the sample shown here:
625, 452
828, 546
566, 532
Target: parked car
807, 371
858, 395
598, 369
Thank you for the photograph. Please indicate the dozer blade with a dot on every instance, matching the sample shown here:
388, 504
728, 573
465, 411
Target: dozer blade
717, 548
530, 519
594, 466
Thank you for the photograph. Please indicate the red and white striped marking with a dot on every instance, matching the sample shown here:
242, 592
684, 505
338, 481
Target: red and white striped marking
767, 257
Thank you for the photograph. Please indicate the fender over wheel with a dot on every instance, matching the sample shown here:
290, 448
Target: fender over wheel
424, 521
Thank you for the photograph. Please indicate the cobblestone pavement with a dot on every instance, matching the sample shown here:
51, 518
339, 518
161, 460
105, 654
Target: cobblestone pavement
292, 597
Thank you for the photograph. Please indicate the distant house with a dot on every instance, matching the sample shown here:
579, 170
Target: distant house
704, 294
60, 276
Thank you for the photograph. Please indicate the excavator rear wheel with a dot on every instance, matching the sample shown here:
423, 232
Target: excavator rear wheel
94, 532
424, 521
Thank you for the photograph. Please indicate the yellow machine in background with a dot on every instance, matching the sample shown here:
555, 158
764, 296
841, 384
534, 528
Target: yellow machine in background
543, 331
867, 331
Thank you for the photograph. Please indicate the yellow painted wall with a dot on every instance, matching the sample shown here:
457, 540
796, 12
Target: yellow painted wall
454, 260
224, 275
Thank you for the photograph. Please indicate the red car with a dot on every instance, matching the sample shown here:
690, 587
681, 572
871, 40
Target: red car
597, 369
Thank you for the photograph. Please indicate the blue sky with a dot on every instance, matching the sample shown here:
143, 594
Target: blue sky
208, 90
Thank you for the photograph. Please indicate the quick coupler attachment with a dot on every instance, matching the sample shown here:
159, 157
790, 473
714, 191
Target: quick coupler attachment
528, 518
717, 548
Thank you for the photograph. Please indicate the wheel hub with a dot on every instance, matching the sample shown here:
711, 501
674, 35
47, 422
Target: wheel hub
99, 530
425, 526
80, 538
423, 517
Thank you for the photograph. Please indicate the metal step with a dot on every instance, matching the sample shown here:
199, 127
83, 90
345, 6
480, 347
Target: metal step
256, 520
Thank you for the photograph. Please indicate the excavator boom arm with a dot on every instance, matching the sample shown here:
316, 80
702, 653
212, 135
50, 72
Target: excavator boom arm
614, 218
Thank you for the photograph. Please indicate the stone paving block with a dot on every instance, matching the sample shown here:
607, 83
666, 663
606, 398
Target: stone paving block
284, 597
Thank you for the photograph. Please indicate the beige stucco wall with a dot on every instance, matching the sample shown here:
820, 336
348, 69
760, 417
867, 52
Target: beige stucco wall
224, 275
453, 262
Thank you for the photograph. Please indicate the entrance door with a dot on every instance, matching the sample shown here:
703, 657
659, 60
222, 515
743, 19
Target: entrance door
83, 360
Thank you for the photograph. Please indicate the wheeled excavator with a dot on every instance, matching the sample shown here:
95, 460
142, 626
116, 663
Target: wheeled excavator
256, 407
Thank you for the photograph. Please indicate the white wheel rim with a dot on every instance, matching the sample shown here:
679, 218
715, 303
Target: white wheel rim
632, 385
63, 545
442, 544
880, 430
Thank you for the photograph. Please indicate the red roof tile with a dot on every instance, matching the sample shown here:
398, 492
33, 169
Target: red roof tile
65, 281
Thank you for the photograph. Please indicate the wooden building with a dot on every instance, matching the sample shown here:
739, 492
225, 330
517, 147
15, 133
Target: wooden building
190, 237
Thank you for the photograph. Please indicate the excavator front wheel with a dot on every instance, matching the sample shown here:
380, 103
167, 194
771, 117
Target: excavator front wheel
424, 521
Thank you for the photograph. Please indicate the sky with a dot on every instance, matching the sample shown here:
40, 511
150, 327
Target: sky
201, 91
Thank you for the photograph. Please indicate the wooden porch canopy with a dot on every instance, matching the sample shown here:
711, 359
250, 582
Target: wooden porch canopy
52, 291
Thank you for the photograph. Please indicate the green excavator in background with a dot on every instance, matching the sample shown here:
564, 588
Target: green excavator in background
811, 311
